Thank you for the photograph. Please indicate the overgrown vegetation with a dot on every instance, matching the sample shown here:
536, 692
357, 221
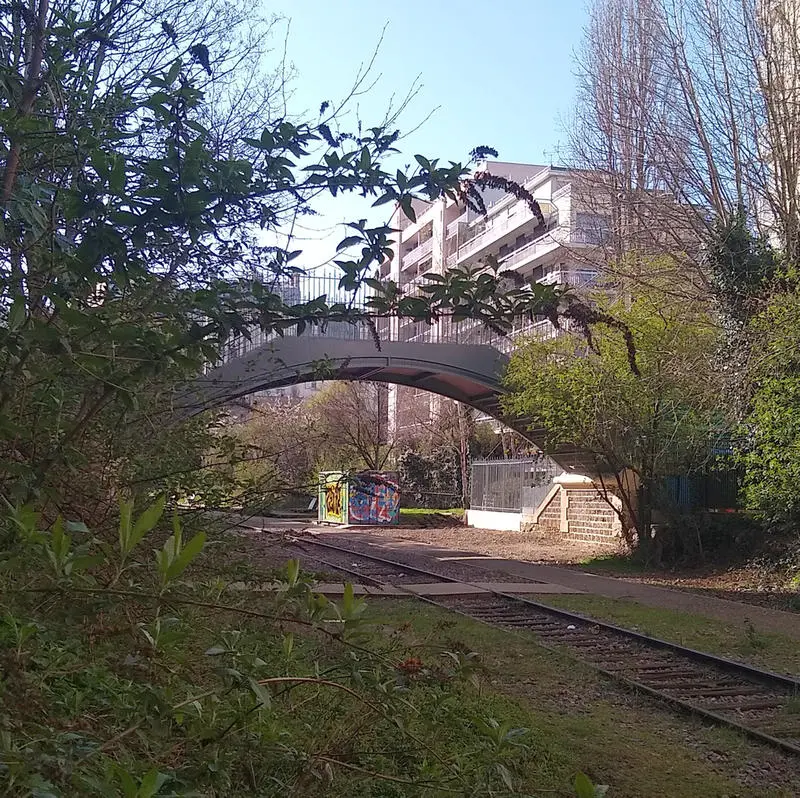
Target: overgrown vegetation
638, 427
150, 176
123, 677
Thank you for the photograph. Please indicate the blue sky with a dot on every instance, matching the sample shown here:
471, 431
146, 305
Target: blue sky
499, 74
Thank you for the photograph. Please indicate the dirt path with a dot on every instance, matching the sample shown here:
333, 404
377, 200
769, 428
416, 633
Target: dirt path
497, 554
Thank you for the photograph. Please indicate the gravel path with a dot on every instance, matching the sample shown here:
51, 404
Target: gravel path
512, 545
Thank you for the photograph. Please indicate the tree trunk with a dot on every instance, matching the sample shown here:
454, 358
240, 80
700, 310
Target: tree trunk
649, 549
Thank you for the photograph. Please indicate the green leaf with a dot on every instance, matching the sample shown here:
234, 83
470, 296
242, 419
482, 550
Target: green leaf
118, 177
408, 210
292, 571
348, 598
60, 543
146, 522
186, 555
349, 242
583, 786
152, 782
85, 562
173, 72
505, 775
129, 787
125, 510
423, 162
77, 526
261, 694
17, 314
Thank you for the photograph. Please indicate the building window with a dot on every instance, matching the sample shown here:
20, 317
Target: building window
590, 228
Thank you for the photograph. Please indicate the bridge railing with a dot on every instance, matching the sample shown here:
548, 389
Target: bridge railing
299, 289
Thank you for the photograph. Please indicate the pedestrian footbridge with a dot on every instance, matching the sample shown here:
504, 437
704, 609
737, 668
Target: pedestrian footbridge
469, 373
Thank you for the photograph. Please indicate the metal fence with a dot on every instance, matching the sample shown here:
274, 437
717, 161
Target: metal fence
297, 290
710, 490
512, 486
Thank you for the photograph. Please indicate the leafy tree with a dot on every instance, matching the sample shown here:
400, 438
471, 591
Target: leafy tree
638, 426
772, 433
140, 198
351, 423
437, 450
130, 237
743, 267
758, 301
430, 479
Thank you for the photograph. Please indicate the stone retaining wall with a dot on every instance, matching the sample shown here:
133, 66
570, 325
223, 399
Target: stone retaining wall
550, 516
589, 516
577, 512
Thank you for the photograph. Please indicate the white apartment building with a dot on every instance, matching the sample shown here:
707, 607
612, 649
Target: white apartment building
446, 234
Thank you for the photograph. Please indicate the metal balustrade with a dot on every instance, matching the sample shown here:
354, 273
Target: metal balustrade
304, 288
418, 253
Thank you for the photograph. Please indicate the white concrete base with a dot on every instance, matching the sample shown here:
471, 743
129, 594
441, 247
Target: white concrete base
493, 519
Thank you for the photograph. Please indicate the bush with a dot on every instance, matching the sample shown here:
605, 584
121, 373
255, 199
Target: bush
430, 480
699, 536
123, 678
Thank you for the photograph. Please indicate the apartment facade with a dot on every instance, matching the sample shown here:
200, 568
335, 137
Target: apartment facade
447, 234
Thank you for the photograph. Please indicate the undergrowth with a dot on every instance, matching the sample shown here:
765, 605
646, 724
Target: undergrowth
120, 677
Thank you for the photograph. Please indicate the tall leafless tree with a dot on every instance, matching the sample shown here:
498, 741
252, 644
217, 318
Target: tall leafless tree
687, 112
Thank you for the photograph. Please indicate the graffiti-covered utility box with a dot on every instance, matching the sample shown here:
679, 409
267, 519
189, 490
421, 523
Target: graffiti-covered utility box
371, 498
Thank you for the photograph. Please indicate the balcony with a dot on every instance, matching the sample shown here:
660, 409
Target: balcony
499, 226
560, 235
454, 226
594, 236
418, 253
536, 248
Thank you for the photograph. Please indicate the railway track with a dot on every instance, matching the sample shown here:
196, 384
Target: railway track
759, 703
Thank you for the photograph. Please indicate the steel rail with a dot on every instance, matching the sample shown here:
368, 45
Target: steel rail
787, 685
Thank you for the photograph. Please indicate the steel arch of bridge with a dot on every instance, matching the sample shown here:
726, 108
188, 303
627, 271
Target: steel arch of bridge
469, 373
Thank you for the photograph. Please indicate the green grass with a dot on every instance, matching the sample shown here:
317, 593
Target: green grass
458, 512
579, 721
737, 641
84, 700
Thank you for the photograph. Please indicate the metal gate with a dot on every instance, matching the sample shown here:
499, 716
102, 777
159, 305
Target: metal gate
512, 486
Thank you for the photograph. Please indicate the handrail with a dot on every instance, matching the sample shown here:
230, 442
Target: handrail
417, 254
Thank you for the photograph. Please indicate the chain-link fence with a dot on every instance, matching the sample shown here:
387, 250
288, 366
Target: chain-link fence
512, 485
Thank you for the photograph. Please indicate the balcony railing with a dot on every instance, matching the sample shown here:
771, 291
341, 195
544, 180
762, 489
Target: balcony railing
559, 235
307, 287
589, 236
418, 253
452, 228
531, 250
497, 227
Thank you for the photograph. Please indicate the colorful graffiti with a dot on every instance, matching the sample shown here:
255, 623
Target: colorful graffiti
374, 499
334, 506
332, 498
366, 498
